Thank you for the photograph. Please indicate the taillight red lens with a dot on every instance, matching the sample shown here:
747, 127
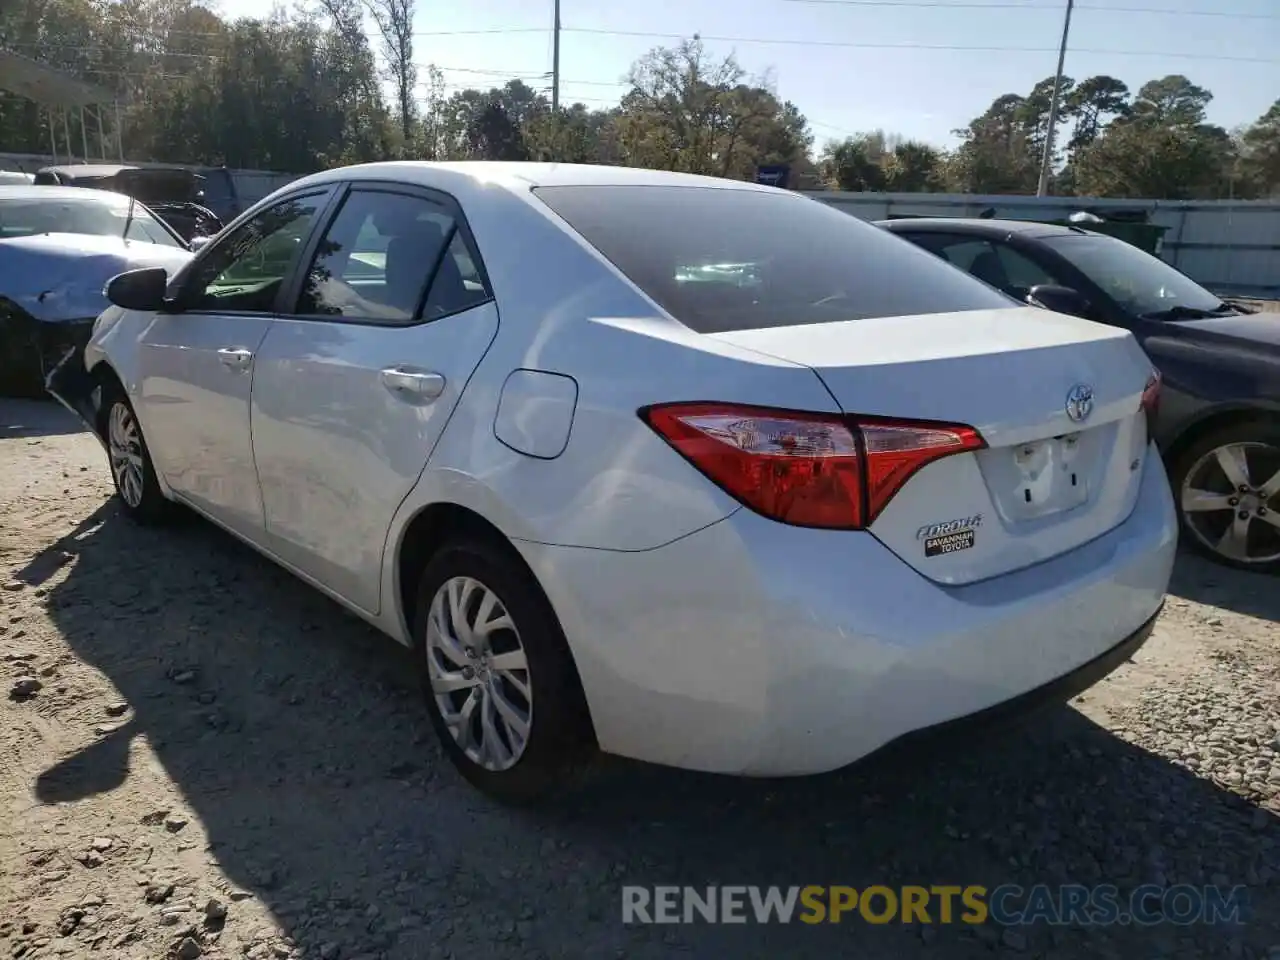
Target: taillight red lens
896, 449
807, 469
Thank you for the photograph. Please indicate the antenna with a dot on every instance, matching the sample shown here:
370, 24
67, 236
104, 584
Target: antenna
128, 221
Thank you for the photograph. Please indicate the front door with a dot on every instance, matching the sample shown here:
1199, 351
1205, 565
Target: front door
197, 364
352, 391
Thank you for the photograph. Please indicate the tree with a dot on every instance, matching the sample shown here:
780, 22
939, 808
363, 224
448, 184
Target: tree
914, 167
1172, 101
1160, 148
1092, 105
1164, 162
576, 134
394, 20
494, 135
1032, 113
1260, 153
856, 163
996, 156
686, 111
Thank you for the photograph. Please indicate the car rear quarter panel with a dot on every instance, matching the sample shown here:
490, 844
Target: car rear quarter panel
566, 311
1205, 379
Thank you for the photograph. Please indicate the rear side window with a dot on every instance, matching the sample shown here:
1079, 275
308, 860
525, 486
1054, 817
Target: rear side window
379, 255
730, 259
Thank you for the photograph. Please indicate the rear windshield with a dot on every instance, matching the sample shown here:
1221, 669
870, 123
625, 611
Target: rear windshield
726, 259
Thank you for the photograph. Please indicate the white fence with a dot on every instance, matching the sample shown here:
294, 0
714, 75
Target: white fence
1232, 247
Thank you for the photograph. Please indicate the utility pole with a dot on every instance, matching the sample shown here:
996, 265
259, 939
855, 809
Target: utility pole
1046, 161
555, 62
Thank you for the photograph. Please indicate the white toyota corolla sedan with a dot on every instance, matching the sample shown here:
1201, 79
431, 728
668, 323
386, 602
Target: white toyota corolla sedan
682, 469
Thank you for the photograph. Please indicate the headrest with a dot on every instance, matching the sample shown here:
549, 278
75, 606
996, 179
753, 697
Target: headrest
400, 222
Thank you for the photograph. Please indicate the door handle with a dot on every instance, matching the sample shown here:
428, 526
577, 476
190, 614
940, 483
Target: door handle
237, 358
419, 384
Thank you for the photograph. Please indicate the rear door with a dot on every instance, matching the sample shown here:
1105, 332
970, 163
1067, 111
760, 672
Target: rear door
353, 389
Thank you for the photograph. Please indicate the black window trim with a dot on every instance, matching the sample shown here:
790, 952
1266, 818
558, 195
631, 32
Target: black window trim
183, 280
446, 202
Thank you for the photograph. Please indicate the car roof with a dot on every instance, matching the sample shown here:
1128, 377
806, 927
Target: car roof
521, 176
981, 228
30, 192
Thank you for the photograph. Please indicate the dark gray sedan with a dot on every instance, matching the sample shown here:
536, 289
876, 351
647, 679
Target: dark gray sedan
1219, 420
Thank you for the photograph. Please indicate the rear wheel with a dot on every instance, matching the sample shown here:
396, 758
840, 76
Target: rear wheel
500, 685
1227, 486
132, 471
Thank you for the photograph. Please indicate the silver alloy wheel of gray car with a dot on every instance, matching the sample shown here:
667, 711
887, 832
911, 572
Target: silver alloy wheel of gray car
1231, 502
479, 674
125, 444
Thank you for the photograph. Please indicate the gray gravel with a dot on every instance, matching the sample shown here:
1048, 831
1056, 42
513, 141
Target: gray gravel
204, 757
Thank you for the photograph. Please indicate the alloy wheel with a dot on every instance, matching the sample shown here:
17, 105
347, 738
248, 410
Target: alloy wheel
125, 444
1231, 502
479, 673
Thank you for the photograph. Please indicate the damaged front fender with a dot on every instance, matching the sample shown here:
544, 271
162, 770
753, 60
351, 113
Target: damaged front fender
31, 346
77, 389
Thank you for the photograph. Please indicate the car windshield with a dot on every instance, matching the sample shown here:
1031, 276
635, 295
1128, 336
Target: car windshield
1142, 284
31, 216
735, 259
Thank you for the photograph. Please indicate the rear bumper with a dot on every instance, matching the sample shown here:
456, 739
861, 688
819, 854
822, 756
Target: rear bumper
755, 648
1054, 692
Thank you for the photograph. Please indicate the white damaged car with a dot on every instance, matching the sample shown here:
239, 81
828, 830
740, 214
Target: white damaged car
688, 470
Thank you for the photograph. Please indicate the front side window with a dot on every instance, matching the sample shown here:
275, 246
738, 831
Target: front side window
737, 259
1139, 282
244, 272
380, 254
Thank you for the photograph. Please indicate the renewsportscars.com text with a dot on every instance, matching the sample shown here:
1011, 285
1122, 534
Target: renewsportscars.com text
1007, 905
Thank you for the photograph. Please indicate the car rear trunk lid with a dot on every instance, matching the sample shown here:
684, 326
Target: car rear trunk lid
1057, 400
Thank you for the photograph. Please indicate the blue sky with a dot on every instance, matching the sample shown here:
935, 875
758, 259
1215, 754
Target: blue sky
886, 77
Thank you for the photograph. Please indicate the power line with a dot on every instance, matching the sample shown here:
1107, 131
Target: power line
915, 46
834, 44
965, 5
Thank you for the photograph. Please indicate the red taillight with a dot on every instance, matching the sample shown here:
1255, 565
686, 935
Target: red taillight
807, 469
1151, 400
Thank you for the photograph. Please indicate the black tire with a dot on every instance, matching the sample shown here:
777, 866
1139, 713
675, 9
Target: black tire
1242, 431
152, 507
560, 745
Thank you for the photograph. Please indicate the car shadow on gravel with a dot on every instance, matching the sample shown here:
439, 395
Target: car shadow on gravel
36, 418
1253, 594
295, 735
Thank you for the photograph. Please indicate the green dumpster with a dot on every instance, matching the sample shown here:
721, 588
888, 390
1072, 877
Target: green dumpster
1143, 235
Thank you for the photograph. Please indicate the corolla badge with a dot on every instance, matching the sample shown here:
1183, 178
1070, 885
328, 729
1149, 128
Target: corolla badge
1080, 402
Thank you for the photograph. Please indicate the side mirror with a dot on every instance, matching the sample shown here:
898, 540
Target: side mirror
1058, 299
139, 289
196, 244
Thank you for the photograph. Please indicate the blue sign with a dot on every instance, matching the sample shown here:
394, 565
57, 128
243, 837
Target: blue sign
773, 175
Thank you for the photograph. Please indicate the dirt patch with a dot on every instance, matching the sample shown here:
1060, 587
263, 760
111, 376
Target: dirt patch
204, 757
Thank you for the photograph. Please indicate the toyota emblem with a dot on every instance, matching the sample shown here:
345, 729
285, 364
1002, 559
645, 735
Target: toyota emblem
1080, 402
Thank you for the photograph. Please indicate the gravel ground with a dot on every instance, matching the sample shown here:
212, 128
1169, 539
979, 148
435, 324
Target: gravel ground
202, 756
